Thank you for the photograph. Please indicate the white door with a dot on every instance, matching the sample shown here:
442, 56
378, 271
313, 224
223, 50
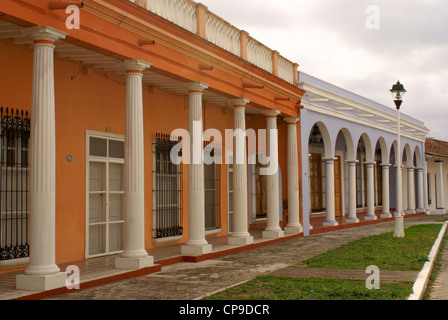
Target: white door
105, 194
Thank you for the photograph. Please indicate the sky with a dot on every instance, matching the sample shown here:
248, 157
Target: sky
363, 46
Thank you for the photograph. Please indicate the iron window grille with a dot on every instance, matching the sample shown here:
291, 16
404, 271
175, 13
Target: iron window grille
14, 187
167, 189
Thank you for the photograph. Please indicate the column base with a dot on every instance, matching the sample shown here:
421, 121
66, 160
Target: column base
189, 250
410, 211
41, 282
386, 215
272, 234
370, 217
134, 263
397, 214
240, 241
293, 230
352, 220
330, 223
440, 211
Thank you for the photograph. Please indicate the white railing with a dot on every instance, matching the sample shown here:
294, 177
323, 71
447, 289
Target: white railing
285, 70
195, 18
259, 55
222, 34
179, 12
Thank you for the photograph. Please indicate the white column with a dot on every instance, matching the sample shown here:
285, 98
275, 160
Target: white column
411, 191
420, 195
196, 244
352, 192
293, 226
240, 234
440, 204
386, 200
370, 192
134, 255
273, 229
329, 193
42, 272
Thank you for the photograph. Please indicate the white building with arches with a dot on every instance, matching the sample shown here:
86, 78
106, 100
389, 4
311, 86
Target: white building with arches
348, 157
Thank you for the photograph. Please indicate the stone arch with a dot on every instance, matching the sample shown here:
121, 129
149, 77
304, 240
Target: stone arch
418, 158
368, 146
348, 143
323, 138
409, 156
381, 142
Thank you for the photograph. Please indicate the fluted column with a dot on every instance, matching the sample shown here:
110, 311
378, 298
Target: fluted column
196, 244
293, 226
240, 234
329, 193
370, 192
385, 189
352, 192
272, 229
440, 202
420, 201
411, 191
42, 272
134, 255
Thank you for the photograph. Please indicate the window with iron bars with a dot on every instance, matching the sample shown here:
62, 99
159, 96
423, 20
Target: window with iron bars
15, 183
167, 190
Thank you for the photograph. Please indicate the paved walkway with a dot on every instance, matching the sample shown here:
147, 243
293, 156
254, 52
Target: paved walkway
187, 281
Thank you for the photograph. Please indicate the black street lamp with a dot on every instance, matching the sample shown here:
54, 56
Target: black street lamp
398, 92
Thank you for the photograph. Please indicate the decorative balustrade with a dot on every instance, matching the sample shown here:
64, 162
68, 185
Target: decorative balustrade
259, 55
285, 70
195, 18
222, 34
179, 12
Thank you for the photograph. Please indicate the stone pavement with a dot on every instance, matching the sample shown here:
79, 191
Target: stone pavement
188, 281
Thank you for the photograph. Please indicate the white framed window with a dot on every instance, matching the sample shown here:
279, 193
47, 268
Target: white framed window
104, 193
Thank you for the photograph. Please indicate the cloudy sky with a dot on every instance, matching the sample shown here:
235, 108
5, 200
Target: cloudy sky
347, 44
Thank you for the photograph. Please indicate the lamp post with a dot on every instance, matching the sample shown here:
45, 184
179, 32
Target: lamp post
398, 92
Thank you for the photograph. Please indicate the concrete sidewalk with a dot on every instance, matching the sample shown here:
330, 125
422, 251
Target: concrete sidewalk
187, 281
439, 288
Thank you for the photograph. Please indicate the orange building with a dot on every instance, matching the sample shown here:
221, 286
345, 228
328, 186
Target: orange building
89, 172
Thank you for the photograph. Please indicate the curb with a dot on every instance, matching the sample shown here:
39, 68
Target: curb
421, 282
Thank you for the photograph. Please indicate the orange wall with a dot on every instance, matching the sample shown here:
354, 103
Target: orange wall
96, 101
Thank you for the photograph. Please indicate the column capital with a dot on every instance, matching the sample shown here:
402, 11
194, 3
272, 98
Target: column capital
271, 113
239, 102
352, 162
135, 65
385, 165
291, 120
370, 164
45, 33
329, 159
196, 86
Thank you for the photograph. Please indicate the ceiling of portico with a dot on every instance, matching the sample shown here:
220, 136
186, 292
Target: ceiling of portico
93, 59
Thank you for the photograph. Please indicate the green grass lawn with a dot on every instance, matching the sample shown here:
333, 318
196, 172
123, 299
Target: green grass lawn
286, 288
385, 251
